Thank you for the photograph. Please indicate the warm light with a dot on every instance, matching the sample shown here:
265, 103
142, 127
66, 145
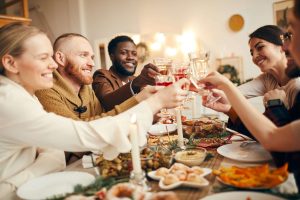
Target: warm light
136, 38
160, 37
188, 42
170, 51
155, 46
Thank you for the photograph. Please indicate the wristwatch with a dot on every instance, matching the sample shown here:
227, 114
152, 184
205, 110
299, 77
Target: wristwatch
274, 103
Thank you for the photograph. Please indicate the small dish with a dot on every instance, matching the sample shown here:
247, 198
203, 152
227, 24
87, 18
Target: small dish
191, 157
162, 129
203, 183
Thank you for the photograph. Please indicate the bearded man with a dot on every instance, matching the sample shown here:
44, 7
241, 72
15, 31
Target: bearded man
117, 84
71, 95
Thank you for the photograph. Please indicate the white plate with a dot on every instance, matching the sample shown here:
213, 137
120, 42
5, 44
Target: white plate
161, 129
242, 195
53, 184
253, 152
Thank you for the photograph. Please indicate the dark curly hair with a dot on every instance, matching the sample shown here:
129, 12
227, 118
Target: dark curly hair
112, 45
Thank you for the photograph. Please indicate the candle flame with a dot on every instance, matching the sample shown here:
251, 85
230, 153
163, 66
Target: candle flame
133, 119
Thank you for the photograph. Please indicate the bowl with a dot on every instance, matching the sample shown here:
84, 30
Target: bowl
162, 129
191, 157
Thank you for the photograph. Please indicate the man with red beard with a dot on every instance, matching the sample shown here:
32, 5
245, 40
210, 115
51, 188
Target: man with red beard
71, 96
117, 84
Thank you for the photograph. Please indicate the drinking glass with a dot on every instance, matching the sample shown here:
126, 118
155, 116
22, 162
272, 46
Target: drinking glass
164, 78
199, 70
180, 70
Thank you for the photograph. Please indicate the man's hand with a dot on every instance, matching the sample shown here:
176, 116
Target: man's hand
147, 77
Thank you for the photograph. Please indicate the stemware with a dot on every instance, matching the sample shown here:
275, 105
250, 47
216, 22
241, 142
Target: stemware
199, 70
164, 78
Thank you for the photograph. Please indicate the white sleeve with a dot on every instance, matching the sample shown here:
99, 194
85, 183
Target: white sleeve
254, 88
28, 124
48, 160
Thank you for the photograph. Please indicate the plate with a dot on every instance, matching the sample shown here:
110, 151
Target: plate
53, 184
161, 129
242, 195
251, 152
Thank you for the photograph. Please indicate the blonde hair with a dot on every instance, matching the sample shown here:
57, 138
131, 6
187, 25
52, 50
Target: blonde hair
12, 38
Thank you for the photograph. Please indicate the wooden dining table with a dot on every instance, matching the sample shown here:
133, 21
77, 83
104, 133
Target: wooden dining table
184, 193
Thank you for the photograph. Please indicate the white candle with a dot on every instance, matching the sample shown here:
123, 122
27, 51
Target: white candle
135, 151
179, 128
194, 106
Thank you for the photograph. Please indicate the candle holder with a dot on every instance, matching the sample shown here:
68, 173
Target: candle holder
139, 179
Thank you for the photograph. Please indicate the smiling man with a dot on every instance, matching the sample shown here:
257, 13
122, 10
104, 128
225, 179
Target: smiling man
71, 95
117, 84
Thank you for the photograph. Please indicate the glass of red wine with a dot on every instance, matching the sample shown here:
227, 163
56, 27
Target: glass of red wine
164, 78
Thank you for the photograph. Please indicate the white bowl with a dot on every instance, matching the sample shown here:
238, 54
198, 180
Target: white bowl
162, 129
191, 157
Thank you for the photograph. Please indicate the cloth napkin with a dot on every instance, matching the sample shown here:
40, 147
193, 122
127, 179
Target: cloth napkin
288, 187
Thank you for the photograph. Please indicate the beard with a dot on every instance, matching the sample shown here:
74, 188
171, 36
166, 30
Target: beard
122, 70
76, 74
292, 71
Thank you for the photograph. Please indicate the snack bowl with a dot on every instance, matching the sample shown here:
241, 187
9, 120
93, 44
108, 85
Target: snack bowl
191, 157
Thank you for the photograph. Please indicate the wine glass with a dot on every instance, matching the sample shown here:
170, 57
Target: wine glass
180, 70
164, 78
199, 70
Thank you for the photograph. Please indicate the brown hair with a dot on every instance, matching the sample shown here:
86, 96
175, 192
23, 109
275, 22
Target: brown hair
12, 38
297, 8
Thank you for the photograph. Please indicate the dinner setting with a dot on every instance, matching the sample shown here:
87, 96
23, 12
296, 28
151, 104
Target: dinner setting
143, 112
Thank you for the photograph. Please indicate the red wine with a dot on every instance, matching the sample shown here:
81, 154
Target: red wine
163, 83
179, 76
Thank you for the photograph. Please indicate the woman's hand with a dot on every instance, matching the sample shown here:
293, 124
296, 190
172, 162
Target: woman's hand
222, 105
169, 97
215, 80
275, 94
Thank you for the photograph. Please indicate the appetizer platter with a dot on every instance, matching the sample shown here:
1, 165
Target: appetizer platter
259, 177
180, 175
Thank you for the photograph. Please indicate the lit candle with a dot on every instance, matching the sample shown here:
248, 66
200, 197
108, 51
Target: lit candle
194, 106
135, 151
179, 128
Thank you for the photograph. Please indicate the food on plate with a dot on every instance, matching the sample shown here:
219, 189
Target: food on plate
212, 142
125, 190
161, 140
196, 170
178, 166
122, 165
192, 177
203, 127
162, 172
252, 177
171, 179
181, 174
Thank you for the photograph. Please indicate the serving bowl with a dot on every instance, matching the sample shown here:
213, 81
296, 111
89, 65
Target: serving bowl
191, 157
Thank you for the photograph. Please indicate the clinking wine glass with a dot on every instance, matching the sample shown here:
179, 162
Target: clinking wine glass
180, 70
199, 70
164, 78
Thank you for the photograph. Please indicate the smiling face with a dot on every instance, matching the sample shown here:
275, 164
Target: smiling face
267, 56
35, 65
124, 58
78, 60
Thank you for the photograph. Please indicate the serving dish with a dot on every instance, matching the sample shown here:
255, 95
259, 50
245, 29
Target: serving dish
191, 157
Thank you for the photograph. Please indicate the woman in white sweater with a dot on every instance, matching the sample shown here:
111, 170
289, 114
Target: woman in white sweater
31, 140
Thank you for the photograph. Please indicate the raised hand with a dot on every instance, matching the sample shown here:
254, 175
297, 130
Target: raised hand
221, 105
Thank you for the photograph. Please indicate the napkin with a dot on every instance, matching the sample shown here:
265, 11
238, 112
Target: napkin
88, 161
288, 187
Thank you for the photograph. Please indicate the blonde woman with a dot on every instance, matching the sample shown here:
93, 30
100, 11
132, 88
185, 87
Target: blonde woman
29, 135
